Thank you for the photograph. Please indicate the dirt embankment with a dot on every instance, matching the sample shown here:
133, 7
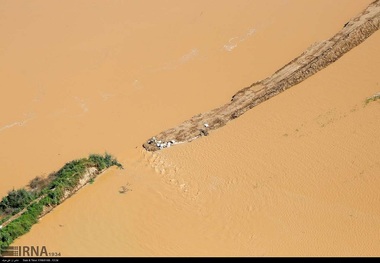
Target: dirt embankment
314, 59
91, 173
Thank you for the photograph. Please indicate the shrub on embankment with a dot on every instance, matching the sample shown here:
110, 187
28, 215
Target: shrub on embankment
42, 193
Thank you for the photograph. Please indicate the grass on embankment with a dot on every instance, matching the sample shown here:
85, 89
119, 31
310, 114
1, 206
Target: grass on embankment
373, 98
45, 192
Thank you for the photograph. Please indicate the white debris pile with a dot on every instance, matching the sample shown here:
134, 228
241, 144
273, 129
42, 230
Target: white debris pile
161, 144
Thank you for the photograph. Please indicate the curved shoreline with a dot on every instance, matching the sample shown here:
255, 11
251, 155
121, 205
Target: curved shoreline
314, 59
91, 173
45, 194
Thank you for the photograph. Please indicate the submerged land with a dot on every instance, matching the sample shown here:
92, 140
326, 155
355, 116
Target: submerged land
314, 59
297, 175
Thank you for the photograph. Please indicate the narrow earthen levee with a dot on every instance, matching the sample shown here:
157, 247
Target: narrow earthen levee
314, 59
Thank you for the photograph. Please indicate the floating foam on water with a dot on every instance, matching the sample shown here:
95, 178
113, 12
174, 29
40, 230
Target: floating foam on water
81, 104
233, 42
182, 60
106, 96
17, 123
189, 56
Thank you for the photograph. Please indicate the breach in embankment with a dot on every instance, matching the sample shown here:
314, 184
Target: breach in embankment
22, 208
314, 59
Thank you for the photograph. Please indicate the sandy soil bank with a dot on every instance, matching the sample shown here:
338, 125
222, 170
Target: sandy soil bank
296, 175
314, 59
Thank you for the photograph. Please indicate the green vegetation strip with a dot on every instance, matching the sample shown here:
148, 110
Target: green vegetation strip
373, 98
22, 208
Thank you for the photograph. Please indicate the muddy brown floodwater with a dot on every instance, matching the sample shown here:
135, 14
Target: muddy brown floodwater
296, 175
